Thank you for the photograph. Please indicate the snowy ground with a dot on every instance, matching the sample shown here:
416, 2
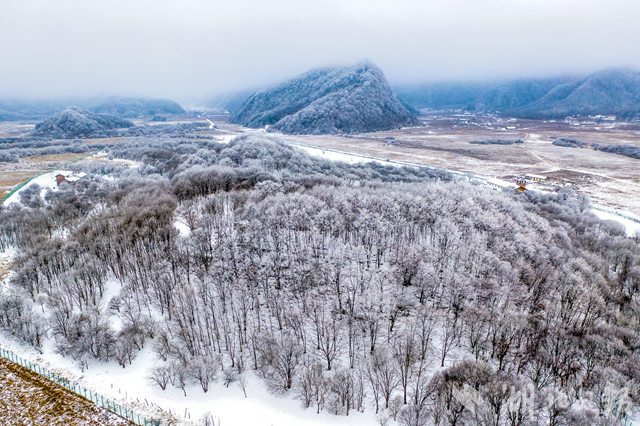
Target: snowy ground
632, 227
132, 385
46, 181
332, 155
182, 227
226, 405
225, 139
104, 157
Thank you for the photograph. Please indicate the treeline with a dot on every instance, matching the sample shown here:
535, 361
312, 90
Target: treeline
626, 150
569, 143
619, 149
497, 142
12, 149
363, 288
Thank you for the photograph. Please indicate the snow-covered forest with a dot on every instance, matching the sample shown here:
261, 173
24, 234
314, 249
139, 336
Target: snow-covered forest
370, 288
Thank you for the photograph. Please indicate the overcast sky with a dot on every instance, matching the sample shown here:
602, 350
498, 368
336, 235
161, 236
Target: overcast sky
190, 48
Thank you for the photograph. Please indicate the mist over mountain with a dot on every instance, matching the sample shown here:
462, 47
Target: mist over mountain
127, 107
75, 123
134, 107
18, 109
328, 101
606, 92
231, 102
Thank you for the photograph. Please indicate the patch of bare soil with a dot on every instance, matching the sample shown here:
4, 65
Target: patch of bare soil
28, 399
573, 176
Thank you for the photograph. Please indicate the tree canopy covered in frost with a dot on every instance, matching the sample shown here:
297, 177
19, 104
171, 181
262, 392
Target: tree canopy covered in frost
135, 107
327, 101
37, 109
77, 123
352, 288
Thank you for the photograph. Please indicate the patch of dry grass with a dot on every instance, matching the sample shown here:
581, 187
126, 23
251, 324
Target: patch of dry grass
56, 158
11, 178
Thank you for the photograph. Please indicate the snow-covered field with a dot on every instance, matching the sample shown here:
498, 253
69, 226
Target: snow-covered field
337, 156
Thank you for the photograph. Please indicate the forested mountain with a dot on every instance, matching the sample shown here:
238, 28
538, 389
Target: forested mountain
614, 92
328, 101
20, 109
352, 288
77, 123
17, 109
135, 107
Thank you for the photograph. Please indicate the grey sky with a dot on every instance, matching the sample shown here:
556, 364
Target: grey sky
190, 48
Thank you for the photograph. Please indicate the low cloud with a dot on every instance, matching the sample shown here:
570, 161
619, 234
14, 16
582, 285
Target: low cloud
190, 48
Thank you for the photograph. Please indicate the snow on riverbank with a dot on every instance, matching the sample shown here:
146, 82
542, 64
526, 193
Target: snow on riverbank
630, 226
332, 155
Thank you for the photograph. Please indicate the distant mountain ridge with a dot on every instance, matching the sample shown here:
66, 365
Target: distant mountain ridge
17, 109
609, 92
77, 123
134, 107
328, 101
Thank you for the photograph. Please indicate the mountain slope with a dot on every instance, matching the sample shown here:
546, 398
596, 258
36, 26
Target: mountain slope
608, 92
614, 92
76, 123
328, 101
21, 109
38, 109
134, 107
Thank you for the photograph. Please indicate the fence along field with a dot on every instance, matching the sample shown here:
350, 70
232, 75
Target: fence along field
99, 400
